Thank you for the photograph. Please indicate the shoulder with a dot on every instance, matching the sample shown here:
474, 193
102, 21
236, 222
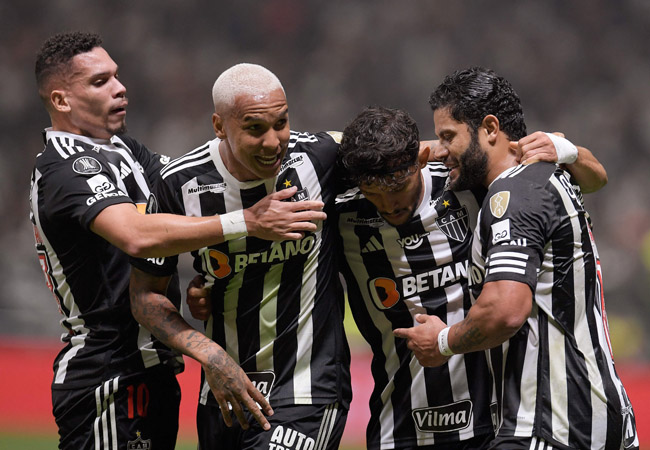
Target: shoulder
189, 165
321, 140
536, 174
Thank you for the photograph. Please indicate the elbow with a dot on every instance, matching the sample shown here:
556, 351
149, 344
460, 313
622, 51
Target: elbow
141, 246
596, 185
507, 326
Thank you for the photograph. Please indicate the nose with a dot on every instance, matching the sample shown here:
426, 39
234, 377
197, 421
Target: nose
271, 140
389, 203
440, 152
120, 89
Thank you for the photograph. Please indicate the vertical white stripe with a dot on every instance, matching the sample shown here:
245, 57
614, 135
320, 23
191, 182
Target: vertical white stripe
105, 398
529, 377
322, 430
581, 326
558, 386
269, 316
302, 386
112, 415
98, 406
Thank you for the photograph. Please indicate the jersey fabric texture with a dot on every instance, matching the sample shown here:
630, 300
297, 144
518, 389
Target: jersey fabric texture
555, 378
277, 307
74, 179
392, 274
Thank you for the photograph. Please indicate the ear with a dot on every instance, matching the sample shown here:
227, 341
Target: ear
218, 126
423, 154
59, 101
492, 127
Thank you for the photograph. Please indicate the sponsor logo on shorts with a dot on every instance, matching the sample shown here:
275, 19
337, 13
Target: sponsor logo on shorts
441, 419
86, 165
285, 438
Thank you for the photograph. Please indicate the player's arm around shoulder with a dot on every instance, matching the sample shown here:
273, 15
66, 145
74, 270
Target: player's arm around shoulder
553, 147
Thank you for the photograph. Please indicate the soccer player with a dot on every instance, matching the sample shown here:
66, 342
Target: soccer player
536, 282
114, 385
277, 307
405, 245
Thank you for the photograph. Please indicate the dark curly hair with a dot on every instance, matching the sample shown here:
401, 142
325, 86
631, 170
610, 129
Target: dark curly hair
474, 93
56, 53
377, 143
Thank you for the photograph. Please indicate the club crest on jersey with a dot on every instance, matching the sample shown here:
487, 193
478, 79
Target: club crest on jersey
499, 203
454, 223
300, 195
441, 419
139, 443
86, 165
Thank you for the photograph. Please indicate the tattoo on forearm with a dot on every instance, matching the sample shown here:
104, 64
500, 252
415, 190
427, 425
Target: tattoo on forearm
469, 337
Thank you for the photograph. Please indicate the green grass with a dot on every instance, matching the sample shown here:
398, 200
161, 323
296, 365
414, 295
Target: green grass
36, 441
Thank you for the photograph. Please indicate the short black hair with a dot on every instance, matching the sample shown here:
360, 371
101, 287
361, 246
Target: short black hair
471, 94
378, 142
56, 53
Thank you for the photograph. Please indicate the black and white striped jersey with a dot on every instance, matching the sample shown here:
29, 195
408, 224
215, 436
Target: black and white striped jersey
74, 179
277, 307
392, 274
555, 379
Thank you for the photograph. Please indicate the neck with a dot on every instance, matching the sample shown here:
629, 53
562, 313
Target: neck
500, 158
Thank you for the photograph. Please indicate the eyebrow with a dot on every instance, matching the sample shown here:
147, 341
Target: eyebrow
253, 117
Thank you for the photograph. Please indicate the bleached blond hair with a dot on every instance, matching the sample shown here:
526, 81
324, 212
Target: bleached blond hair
242, 79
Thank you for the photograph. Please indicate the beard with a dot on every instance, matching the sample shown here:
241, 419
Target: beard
472, 167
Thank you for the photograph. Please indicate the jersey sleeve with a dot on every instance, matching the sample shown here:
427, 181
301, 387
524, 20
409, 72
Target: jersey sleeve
164, 199
151, 162
79, 188
516, 222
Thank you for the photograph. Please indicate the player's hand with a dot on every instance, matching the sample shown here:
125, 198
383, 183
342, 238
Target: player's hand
422, 340
198, 298
535, 147
233, 389
276, 220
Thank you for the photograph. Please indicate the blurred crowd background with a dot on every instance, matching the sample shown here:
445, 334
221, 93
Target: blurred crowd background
581, 67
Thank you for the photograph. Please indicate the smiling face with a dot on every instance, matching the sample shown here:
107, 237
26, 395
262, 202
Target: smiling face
91, 101
255, 135
461, 151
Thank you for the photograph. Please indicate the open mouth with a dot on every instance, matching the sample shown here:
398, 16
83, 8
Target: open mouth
268, 160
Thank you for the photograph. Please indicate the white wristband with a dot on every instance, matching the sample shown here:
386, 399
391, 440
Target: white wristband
443, 343
233, 225
567, 153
